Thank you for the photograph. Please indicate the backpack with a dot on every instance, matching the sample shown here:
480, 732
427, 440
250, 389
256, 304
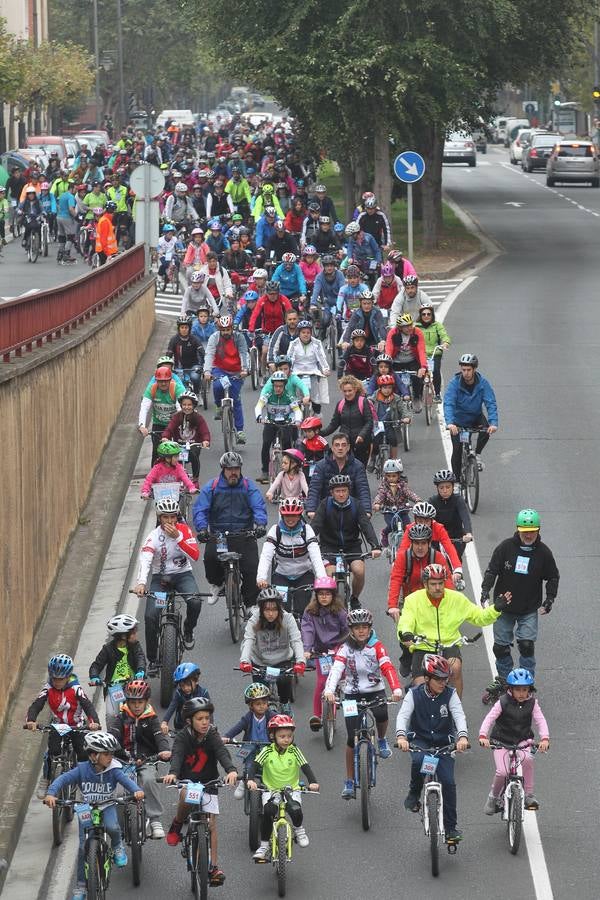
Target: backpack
154, 388
409, 562
278, 535
361, 406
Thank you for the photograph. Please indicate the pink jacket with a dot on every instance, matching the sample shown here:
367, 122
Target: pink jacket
194, 254
288, 486
162, 472
311, 271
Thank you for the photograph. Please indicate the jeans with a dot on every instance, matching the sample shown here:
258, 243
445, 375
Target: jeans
525, 629
482, 439
111, 823
415, 381
235, 390
445, 775
248, 563
194, 375
186, 584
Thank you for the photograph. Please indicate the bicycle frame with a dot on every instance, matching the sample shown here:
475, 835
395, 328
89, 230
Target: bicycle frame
366, 733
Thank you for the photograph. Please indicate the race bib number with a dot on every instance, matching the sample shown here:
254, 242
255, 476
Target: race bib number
84, 813
272, 672
184, 455
283, 590
166, 490
61, 728
350, 708
225, 382
116, 693
429, 765
194, 793
464, 437
311, 469
243, 752
324, 665
378, 429
522, 565
160, 599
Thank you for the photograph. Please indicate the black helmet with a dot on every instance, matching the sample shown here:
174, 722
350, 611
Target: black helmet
111, 206
195, 705
420, 533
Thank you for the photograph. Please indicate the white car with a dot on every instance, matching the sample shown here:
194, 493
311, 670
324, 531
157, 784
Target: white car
516, 147
460, 147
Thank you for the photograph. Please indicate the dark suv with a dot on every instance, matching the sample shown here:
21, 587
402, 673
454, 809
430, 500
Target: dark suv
537, 154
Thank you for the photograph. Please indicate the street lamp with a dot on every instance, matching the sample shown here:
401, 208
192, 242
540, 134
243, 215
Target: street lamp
96, 61
120, 53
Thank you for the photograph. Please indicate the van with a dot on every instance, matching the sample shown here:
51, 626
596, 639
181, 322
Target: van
499, 129
179, 116
512, 127
47, 144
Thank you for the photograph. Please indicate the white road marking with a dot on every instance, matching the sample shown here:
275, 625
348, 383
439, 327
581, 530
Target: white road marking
552, 190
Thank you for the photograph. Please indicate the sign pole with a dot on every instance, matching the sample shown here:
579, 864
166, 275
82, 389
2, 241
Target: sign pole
409, 167
409, 204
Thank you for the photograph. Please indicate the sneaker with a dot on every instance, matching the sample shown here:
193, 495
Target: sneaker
240, 437
239, 790
371, 465
348, 790
152, 668
80, 892
120, 856
188, 636
301, 836
438, 398
218, 414
262, 854
412, 803
42, 788
492, 805
314, 723
480, 464
217, 590
531, 802
354, 602
157, 832
385, 750
216, 876
174, 833
417, 406
453, 836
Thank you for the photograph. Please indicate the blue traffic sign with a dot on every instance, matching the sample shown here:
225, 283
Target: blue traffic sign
409, 167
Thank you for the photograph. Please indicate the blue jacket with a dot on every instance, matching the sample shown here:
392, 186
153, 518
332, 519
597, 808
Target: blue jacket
94, 786
292, 281
177, 701
367, 249
325, 469
329, 289
48, 203
245, 723
203, 332
464, 408
229, 508
264, 232
376, 324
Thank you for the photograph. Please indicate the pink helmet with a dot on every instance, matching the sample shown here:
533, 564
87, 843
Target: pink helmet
295, 454
388, 269
44, 186
325, 584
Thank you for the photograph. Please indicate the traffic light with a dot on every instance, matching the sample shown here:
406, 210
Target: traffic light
557, 100
596, 93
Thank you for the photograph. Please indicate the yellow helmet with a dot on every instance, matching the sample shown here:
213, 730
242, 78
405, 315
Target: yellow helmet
404, 319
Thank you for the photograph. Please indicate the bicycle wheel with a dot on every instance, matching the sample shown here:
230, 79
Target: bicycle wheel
175, 280
333, 342
515, 818
45, 240
433, 811
254, 368
34, 246
428, 401
328, 720
168, 661
472, 483
94, 260
134, 825
365, 784
200, 858
281, 859
83, 241
227, 427
95, 870
382, 458
274, 462
234, 602
59, 812
204, 393
405, 427
254, 812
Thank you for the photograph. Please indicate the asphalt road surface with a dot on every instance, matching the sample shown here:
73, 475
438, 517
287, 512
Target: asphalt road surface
18, 276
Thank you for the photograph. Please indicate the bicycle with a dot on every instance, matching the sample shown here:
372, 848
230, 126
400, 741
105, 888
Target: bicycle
396, 531
227, 424
276, 448
289, 593
438, 647
469, 470
44, 236
268, 675
428, 392
513, 794
33, 243
366, 751
328, 709
343, 573
431, 803
230, 560
406, 382
171, 275
256, 367
187, 448
252, 804
134, 825
384, 449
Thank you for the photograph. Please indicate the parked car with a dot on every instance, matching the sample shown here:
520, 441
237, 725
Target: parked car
517, 146
499, 129
573, 161
47, 144
537, 153
459, 146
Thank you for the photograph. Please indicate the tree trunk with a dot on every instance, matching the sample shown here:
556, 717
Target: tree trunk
431, 188
382, 178
347, 172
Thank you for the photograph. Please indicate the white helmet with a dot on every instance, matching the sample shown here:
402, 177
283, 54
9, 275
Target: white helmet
352, 228
121, 624
260, 273
101, 741
393, 465
167, 506
181, 188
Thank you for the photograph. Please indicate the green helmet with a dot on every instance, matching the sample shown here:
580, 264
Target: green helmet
165, 360
528, 520
168, 448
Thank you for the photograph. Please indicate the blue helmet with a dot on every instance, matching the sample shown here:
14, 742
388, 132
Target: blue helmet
60, 666
167, 228
520, 678
214, 224
339, 227
250, 296
185, 670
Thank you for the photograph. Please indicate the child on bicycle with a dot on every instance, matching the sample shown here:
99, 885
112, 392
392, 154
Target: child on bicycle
393, 491
186, 679
311, 444
204, 325
279, 411
121, 658
167, 469
452, 511
138, 732
279, 766
356, 359
198, 750
363, 662
433, 715
384, 366
390, 410
69, 704
253, 726
510, 721
290, 482
189, 425
324, 627
97, 780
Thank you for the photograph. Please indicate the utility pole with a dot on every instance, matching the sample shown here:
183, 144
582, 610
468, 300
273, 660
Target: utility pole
122, 113
96, 61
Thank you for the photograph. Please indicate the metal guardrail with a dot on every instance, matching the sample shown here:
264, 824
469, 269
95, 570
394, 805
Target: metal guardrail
31, 320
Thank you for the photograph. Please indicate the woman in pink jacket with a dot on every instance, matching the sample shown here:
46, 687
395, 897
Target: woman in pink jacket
167, 469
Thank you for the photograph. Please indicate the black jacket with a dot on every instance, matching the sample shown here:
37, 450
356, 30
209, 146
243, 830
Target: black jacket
140, 737
109, 657
197, 759
326, 469
355, 418
340, 527
453, 514
526, 588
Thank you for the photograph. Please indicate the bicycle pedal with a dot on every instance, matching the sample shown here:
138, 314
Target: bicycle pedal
452, 847
260, 862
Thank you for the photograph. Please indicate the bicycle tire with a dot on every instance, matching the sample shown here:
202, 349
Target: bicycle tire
254, 813
58, 813
274, 462
364, 777
333, 342
204, 393
472, 484
34, 246
328, 711
254, 368
201, 866
281, 859
233, 601
174, 280
433, 811
428, 402
45, 241
168, 661
406, 436
94, 261
132, 814
95, 870
382, 458
227, 427
514, 824
164, 281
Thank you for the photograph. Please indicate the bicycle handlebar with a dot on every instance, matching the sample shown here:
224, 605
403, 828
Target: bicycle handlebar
262, 670
459, 642
524, 745
435, 751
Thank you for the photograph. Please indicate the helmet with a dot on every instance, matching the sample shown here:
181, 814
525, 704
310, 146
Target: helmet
313, 207
385, 379
324, 220
443, 475
260, 273
395, 256
270, 211
60, 666
358, 332
279, 376
181, 188
404, 319
283, 361
168, 228
225, 322
410, 279
291, 506
231, 460
360, 617
197, 230
280, 721
289, 258
433, 570
279, 225
256, 691
520, 678
338, 227
184, 320
167, 506
435, 666
163, 373
339, 481
111, 206
528, 520
197, 277
101, 742
166, 360
97, 210
309, 250
353, 272
298, 455
425, 510
420, 533
468, 359
188, 395
44, 186
122, 624
352, 228
269, 594
272, 287
392, 465
304, 323
138, 689
320, 189
366, 195
328, 260
328, 583
388, 269
195, 705
168, 448
384, 357
185, 670
311, 422
250, 296
214, 225
370, 203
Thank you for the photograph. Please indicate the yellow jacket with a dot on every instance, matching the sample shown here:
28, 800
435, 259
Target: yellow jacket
442, 623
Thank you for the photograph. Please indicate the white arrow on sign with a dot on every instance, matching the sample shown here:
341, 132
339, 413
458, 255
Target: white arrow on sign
512, 203
411, 168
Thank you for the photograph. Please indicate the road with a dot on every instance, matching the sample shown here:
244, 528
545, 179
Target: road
18, 276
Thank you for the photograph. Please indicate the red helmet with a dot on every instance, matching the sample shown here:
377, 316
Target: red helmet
312, 422
386, 379
433, 570
138, 689
163, 373
291, 506
435, 666
280, 721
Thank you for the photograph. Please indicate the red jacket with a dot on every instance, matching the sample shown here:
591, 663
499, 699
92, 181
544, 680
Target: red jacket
418, 350
414, 583
387, 295
173, 430
293, 222
269, 315
440, 536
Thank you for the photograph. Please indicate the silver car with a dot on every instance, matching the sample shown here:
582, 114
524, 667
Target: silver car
572, 161
460, 147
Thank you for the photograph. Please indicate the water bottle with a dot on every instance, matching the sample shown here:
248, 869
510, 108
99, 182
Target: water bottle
339, 565
221, 543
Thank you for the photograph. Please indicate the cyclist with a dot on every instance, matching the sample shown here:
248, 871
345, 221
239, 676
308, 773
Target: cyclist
241, 321
326, 204
279, 410
290, 480
390, 410
48, 204
434, 714
340, 521
369, 319
227, 355
95, 198
410, 299
349, 295
435, 335
310, 226
97, 779
310, 266
402, 266
137, 730
354, 415
326, 239
393, 491
466, 395
324, 627
311, 444
272, 638
166, 554
326, 289
269, 314
187, 351
204, 325
30, 211
363, 662
374, 221
232, 504
386, 288
425, 514
282, 337
295, 385
406, 345
295, 216
121, 658
288, 275
188, 425
511, 721
408, 568
179, 207
384, 366
290, 555
279, 766
362, 248
338, 461
356, 358
167, 249
307, 358
198, 750
168, 469
520, 564
217, 281
280, 243
197, 296
186, 679
437, 613
451, 510
253, 726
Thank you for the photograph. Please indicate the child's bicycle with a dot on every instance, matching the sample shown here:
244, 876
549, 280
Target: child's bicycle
328, 709
268, 675
513, 794
366, 751
134, 823
384, 449
432, 805
396, 531
252, 804
282, 835
343, 574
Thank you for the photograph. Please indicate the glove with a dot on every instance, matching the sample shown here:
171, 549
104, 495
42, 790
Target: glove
141, 674
485, 598
547, 605
300, 668
203, 536
500, 603
260, 530
95, 680
407, 636
246, 667
259, 419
